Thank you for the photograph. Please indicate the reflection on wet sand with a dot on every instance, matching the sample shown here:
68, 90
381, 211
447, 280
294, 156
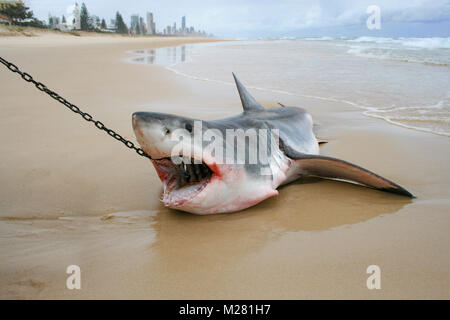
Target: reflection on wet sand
162, 57
206, 251
167, 248
334, 204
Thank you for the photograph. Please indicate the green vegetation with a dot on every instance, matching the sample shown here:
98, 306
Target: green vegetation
20, 15
16, 12
84, 18
120, 25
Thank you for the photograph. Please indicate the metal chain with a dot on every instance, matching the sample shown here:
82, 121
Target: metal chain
86, 116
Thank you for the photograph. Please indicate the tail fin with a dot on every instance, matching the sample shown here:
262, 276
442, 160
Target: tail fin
332, 168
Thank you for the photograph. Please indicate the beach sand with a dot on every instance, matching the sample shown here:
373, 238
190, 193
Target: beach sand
71, 195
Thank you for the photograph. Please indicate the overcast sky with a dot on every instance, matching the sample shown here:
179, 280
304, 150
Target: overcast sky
274, 18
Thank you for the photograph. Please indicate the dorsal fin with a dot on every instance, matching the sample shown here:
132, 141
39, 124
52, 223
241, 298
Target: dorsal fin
248, 102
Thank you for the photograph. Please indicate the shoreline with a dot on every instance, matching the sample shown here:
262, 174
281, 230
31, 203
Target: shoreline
365, 110
71, 195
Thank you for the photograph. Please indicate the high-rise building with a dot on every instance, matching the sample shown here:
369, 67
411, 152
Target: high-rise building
76, 17
142, 27
150, 24
174, 30
183, 23
134, 22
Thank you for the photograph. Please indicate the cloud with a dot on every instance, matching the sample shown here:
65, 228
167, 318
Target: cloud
246, 16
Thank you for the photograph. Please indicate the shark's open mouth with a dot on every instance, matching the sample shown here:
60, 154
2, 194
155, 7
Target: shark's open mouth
183, 181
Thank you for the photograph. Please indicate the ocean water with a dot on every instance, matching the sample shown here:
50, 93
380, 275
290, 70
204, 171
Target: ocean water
404, 81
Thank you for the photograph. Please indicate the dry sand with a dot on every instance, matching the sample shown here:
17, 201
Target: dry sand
70, 194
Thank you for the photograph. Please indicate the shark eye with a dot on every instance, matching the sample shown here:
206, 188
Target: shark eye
188, 127
166, 131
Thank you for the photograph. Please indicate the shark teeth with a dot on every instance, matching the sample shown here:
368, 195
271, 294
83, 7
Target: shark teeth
181, 181
192, 173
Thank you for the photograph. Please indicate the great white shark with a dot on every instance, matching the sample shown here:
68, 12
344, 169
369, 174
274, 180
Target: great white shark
203, 183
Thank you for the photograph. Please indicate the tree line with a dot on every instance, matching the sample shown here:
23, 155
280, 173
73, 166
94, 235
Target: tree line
19, 14
87, 24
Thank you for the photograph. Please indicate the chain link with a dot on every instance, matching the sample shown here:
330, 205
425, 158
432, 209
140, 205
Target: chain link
86, 116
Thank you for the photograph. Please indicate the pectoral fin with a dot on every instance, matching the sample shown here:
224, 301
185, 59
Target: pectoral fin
332, 168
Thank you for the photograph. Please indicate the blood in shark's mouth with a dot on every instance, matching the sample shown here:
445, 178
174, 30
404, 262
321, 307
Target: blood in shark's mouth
183, 181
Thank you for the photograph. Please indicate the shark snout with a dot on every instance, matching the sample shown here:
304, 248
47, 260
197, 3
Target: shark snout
139, 118
148, 124
158, 133
148, 131
134, 118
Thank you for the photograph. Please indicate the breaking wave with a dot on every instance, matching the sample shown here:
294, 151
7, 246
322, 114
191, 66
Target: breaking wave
415, 97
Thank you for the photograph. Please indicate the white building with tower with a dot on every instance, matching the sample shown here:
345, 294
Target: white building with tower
76, 17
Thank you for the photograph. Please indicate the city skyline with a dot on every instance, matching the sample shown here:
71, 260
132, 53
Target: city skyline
138, 25
265, 18
58, 9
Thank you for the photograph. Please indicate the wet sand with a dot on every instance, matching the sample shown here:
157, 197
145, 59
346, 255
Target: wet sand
72, 195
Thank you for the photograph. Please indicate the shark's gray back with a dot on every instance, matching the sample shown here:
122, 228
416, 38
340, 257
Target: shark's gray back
293, 124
